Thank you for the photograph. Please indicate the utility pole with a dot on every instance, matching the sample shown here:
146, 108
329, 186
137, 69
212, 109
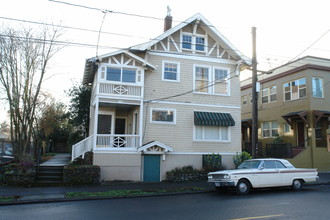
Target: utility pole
254, 96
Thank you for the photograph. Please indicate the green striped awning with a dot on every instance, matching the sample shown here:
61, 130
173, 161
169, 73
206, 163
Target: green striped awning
213, 119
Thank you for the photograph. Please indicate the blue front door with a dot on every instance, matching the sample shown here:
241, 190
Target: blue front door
151, 171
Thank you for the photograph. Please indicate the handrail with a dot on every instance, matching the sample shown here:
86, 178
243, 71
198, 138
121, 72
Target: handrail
82, 147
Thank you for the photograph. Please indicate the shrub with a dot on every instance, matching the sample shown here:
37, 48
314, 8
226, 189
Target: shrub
81, 175
19, 174
186, 173
239, 158
212, 162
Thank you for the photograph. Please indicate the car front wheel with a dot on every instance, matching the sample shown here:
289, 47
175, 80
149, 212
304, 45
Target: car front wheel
243, 187
297, 185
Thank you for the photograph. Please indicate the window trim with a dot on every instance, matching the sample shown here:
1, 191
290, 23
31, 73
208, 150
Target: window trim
209, 140
163, 122
270, 123
139, 74
322, 87
193, 42
211, 79
290, 82
269, 94
177, 73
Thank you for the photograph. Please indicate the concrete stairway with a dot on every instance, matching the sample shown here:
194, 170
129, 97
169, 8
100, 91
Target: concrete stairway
51, 171
49, 175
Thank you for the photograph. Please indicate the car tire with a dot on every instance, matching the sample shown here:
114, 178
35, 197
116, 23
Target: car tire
243, 187
297, 185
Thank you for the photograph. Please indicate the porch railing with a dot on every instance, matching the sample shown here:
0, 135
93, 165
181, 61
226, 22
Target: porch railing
117, 141
120, 90
82, 147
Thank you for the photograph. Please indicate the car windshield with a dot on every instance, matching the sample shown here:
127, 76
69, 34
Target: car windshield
249, 164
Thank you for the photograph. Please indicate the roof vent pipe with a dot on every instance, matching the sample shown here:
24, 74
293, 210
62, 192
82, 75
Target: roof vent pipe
168, 20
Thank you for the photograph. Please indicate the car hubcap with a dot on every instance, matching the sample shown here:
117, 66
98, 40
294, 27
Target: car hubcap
242, 187
297, 183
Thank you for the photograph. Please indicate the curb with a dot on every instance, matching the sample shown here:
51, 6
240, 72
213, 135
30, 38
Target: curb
22, 202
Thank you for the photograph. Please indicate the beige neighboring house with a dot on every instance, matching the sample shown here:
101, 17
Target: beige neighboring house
294, 104
165, 103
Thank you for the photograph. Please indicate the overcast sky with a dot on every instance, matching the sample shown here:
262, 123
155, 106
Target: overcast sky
285, 28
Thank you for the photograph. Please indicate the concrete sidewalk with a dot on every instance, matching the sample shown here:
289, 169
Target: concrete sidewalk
57, 193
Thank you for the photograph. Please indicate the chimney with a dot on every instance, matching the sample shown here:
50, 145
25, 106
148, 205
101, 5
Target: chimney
168, 20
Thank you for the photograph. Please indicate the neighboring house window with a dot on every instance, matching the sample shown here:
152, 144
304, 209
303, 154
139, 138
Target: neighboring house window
186, 42
121, 75
211, 133
317, 87
209, 82
171, 71
244, 100
269, 94
286, 128
164, 116
221, 81
270, 129
318, 131
295, 89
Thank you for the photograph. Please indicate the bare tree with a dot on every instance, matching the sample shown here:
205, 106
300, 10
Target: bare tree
24, 56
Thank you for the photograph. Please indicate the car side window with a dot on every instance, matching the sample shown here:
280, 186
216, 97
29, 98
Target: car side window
270, 164
280, 165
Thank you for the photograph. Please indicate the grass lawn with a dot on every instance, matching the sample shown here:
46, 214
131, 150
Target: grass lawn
114, 193
8, 198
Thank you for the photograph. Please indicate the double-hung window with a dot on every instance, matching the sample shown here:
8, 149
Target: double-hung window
202, 79
270, 129
244, 100
171, 71
200, 43
317, 84
220, 81
211, 82
125, 75
187, 42
163, 116
269, 94
295, 89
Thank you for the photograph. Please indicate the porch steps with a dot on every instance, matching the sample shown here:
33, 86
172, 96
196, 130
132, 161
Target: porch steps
297, 150
49, 175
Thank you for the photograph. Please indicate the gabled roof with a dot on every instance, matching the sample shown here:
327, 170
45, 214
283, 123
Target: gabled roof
155, 146
208, 27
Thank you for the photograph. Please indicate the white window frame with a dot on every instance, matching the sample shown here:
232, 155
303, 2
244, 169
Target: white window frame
212, 140
270, 124
227, 80
269, 95
314, 87
286, 125
163, 122
211, 80
193, 41
299, 89
138, 74
177, 73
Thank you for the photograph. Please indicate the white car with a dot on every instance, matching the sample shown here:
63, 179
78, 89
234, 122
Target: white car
262, 173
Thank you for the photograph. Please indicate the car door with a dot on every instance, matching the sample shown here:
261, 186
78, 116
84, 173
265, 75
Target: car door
269, 174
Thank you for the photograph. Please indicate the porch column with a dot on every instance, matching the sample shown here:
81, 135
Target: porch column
141, 123
96, 113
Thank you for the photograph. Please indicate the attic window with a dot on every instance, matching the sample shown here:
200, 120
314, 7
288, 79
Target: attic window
186, 42
192, 42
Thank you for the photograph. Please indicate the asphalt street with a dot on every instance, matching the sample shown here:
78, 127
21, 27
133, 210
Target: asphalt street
311, 203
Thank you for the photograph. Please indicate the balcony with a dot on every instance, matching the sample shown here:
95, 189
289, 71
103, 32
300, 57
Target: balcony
117, 142
117, 90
